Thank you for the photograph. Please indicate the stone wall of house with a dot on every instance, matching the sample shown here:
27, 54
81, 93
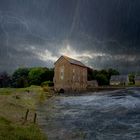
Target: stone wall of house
78, 77
59, 82
69, 77
115, 83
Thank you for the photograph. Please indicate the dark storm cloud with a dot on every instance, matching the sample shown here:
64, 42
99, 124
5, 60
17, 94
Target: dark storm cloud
105, 33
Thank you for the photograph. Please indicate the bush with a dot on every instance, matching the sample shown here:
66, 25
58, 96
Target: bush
45, 88
47, 83
130, 83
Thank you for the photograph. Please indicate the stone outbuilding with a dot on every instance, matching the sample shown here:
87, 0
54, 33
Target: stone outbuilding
92, 84
69, 75
137, 80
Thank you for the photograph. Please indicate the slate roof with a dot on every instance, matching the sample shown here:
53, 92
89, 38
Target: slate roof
120, 78
73, 61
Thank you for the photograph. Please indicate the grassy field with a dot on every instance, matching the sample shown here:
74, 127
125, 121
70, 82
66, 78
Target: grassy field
13, 107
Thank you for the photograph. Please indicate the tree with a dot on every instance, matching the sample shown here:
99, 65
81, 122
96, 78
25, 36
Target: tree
132, 78
48, 75
113, 72
40, 75
20, 78
102, 79
89, 74
94, 74
35, 75
5, 79
102, 76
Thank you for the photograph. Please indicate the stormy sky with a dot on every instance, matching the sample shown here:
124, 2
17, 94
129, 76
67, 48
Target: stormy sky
100, 33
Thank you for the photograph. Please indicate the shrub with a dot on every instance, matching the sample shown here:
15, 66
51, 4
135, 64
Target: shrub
45, 88
47, 83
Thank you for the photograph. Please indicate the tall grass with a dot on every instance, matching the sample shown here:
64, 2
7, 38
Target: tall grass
13, 106
10, 131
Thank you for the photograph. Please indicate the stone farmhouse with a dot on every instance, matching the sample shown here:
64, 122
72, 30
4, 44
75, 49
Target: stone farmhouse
69, 75
119, 80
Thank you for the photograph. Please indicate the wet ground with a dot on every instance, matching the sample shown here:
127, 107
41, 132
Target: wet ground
100, 116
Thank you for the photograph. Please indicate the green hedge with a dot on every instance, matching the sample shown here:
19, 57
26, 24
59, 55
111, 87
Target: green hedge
47, 83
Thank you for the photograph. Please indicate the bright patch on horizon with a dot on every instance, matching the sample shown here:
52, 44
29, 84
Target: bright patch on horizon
82, 56
46, 55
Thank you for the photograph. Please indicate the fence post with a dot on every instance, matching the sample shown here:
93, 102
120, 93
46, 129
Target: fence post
26, 115
35, 116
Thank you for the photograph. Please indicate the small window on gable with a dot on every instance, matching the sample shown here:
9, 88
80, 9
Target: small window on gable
62, 72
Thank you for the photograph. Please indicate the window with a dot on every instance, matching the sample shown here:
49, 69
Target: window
73, 70
62, 73
73, 74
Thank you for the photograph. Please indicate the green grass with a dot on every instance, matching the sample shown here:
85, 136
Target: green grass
10, 131
13, 106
